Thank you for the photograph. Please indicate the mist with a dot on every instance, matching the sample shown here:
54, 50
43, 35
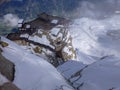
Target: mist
93, 21
10, 20
97, 9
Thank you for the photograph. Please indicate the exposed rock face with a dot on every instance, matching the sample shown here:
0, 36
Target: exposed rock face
3, 44
7, 68
8, 86
46, 35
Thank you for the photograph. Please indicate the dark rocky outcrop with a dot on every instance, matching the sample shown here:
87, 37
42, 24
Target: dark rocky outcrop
8, 86
7, 68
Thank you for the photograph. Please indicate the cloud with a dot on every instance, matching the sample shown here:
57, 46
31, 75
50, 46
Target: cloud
10, 20
96, 9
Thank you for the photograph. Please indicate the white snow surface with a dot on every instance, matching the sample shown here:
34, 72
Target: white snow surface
42, 40
20, 21
32, 72
101, 75
55, 31
54, 21
24, 35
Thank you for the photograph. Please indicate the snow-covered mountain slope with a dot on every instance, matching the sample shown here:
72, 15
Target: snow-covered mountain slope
97, 37
102, 75
97, 43
32, 72
96, 68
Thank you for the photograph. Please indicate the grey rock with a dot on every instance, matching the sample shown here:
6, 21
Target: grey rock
8, 86
7, 68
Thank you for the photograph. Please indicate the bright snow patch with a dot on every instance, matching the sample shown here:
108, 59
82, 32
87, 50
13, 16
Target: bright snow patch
24, 35
20, 21
54, 21
55, 31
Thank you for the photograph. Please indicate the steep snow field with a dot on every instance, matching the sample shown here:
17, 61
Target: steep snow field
32, 72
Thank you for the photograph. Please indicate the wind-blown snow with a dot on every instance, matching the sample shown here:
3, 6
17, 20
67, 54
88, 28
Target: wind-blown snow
97, 37
32, 72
